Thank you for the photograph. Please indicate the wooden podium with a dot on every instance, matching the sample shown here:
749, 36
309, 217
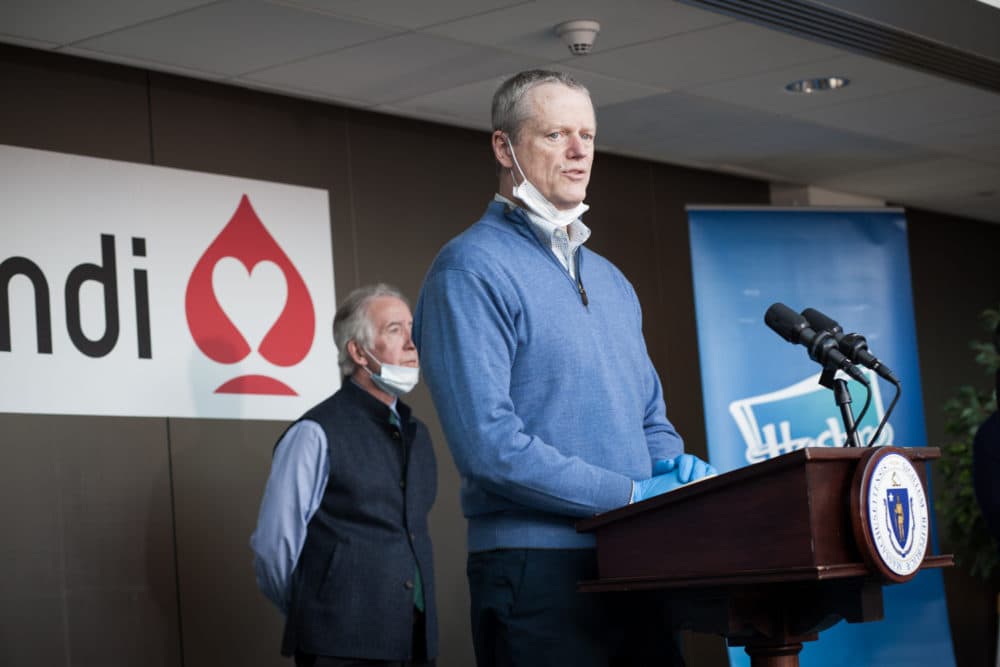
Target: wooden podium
767, 556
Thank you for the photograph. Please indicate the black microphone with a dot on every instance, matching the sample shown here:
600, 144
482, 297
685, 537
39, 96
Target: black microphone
822, 345
854, 346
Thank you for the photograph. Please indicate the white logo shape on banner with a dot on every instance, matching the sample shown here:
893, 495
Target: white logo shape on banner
803, 415
252, 317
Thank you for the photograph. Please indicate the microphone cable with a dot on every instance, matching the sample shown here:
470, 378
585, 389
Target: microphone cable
885, 418
861, 416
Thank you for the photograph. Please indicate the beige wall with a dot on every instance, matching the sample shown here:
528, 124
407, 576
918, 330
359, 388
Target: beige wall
124, 541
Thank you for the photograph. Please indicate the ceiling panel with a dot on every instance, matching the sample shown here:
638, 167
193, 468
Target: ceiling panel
232, 38
397, 68
23, 41
65, 22
469, 105
132, 61
800, 152
715, 54
403, 13
922, 181
608, 91
893, 113
674, 126
977, 137
530, 27
293, 91
979, 207
866, 77
681, 128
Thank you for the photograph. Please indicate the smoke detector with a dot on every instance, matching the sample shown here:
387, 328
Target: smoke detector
579, 35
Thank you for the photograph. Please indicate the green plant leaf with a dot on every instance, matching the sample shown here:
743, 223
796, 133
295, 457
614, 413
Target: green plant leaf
962, 520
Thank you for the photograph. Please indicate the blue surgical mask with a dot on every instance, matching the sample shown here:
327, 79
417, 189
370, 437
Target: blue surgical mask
536, 202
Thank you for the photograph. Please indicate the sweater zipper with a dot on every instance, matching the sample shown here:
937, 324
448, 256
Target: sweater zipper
548, 251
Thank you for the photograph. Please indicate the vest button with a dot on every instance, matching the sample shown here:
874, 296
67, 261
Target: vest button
395, 435
402, 483
409, 584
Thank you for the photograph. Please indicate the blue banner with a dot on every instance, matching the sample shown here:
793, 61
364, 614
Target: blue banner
762, 397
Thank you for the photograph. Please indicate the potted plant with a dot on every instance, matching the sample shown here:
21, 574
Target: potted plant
962, 521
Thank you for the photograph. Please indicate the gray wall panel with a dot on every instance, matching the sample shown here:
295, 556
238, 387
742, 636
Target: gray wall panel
87, 528
415, 186
220, 467
32, 629
622, 216
71, 105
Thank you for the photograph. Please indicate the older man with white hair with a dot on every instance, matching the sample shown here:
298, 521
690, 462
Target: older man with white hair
342, 546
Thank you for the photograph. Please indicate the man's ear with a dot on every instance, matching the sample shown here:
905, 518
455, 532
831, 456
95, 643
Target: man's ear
357, 356
501, 149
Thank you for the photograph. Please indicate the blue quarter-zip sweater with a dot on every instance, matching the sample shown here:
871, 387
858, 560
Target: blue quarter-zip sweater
549, 401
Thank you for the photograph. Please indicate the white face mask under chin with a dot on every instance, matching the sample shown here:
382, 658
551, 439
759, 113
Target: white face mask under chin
393, 379
536, 202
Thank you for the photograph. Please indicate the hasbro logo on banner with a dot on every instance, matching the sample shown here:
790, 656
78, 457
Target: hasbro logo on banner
762, 395
782, 421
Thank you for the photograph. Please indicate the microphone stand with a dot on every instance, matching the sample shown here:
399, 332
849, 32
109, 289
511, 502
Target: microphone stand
842, 397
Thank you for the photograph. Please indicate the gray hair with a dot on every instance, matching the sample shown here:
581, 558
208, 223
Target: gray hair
509, 108
353, 323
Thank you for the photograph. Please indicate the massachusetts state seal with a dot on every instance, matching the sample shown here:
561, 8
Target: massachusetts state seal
894, 516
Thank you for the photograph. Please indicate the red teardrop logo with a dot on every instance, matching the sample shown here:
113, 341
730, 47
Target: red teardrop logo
288, 341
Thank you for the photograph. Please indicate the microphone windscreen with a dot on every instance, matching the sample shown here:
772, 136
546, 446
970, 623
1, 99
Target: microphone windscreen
820, 322
785, 322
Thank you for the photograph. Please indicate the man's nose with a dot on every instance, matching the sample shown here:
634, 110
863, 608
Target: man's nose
577, 146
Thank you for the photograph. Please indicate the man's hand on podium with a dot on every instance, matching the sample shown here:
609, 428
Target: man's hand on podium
687, 467
669, 474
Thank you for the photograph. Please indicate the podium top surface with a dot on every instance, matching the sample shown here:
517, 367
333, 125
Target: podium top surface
742, 475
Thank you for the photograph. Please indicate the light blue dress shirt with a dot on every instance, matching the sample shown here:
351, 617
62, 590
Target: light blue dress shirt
300, 471
563, 241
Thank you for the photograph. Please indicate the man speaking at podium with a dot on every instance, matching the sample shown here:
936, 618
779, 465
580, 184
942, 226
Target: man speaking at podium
533, 351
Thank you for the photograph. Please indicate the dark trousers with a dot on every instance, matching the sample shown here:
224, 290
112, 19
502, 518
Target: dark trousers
526, 612
419, 653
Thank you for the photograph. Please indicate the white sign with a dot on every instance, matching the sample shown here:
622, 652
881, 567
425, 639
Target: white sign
133, 290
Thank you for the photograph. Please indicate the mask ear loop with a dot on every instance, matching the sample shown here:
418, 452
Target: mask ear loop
373, 358
513, 156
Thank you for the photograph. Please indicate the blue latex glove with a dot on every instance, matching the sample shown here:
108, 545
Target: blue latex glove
669, 474
687, 467
654, 486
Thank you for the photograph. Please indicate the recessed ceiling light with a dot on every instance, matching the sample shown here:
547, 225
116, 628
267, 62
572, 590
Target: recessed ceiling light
816, 85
